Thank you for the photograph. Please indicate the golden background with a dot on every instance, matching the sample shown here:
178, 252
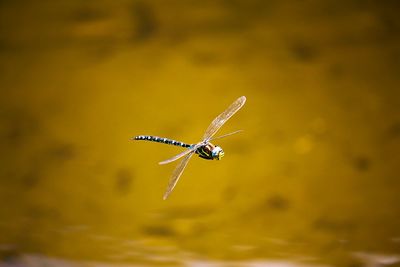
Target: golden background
313, 180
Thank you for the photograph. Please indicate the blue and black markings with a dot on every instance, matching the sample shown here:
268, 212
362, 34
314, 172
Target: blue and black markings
162, 140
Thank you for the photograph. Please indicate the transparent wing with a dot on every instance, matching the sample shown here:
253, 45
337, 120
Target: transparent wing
177, 173
225, 135
180, 155
223, 117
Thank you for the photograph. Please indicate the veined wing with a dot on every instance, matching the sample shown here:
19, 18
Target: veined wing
177, 173
180, 155
225, 135
217, 123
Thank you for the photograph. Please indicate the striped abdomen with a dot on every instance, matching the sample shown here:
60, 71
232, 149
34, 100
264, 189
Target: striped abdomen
161, 140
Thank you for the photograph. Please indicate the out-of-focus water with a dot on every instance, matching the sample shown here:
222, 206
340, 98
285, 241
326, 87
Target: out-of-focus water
312, 181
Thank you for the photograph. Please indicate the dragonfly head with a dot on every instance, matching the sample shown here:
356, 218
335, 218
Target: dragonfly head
217, 153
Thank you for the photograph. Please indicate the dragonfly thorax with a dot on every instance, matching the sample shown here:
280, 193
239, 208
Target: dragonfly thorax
210, 151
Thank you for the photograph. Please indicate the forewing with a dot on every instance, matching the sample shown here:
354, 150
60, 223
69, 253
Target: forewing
177, 173
226, 135
217, 123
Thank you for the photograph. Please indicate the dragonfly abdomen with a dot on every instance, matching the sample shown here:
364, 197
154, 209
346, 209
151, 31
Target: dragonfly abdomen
161, 140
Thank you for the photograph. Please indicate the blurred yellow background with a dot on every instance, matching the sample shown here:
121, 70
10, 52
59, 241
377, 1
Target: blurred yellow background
312, 180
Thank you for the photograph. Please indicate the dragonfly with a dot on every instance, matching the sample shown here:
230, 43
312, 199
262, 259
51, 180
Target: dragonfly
204, 149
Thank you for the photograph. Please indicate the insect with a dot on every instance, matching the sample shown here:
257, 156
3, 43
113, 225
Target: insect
204, 148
